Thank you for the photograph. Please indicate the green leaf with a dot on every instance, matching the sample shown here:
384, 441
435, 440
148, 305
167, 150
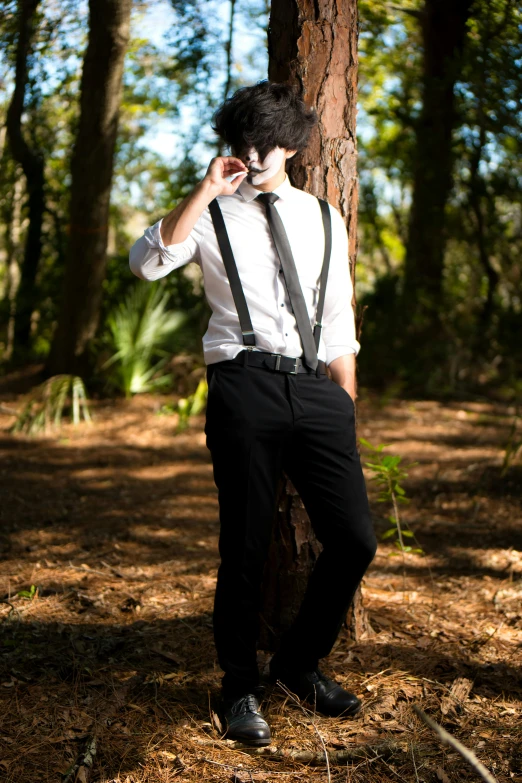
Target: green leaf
407, 534
389, 533
28, 593
369, 445
390, 462
399, 490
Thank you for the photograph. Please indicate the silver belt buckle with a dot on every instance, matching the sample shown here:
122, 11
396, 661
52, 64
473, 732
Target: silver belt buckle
278, 361
296, 365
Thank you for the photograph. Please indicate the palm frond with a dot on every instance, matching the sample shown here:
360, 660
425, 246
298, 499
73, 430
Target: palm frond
47, 403
140, 327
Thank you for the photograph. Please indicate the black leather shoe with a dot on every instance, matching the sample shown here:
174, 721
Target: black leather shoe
317, 689
244, 720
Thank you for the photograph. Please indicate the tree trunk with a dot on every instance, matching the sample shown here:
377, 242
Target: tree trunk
443, 27
313, 45
228, 52
12, 216
91, 178
33, 167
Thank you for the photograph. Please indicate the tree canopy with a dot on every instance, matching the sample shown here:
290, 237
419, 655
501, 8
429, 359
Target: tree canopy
462, 307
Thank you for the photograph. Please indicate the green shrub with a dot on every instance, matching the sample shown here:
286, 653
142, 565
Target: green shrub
140, 329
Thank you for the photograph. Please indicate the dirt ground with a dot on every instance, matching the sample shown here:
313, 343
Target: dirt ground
111, 529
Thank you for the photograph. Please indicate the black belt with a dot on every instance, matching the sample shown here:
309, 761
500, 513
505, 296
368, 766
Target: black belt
276, 362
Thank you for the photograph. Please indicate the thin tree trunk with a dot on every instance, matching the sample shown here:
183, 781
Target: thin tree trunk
12, 215
33, 167
228, 52
477, 195
313, 45
482, 203
229, 49
91, 179
443, 28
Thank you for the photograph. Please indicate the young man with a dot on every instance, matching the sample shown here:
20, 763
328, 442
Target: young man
271, 405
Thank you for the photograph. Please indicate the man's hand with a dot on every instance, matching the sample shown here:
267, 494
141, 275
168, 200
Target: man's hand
177, 225
343, 373
220, 168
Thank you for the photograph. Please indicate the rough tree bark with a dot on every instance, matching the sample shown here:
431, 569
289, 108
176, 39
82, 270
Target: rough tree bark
33, 167
91, 178
313, 44
443, 29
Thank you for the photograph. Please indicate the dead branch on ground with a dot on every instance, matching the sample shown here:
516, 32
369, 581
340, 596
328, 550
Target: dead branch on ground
448, 739
81, 769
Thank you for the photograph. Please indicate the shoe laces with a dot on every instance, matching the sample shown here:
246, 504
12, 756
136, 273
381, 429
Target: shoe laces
247, 703
319, 676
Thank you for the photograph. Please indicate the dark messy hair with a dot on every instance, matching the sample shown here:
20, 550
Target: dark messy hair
264, 115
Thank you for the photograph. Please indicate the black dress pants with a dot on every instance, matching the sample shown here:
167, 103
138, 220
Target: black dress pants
259, 422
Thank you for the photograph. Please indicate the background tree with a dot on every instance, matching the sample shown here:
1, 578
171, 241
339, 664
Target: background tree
91, 177
171, 89
30, 159
443, 28
477, 312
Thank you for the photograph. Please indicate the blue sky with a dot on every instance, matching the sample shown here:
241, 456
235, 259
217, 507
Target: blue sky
157, 18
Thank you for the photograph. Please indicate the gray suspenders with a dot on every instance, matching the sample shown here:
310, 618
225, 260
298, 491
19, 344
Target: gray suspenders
249, 338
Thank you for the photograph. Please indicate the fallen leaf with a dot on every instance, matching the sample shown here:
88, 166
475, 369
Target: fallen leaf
168, 755
216, 722
81, 776
168, 655
409, 690
386, 705
458, 694
137, 707
441, 775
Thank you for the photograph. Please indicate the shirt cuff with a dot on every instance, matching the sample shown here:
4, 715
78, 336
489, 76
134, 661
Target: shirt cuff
170, 254
153, 239
333, 352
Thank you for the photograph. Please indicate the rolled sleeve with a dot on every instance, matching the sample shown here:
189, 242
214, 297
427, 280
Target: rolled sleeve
150, 259
338, 317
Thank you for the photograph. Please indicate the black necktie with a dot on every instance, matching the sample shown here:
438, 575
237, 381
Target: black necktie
291, 278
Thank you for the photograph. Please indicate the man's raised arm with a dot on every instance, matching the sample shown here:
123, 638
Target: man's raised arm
173, 240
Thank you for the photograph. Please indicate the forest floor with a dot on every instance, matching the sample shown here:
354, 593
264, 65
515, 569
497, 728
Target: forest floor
113, 529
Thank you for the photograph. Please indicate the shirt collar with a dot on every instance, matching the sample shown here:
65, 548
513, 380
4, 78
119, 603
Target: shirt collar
249, 192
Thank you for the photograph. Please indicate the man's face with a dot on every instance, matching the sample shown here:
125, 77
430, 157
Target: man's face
261, 170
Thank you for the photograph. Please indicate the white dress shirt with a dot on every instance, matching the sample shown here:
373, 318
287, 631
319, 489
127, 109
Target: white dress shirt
260, 272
